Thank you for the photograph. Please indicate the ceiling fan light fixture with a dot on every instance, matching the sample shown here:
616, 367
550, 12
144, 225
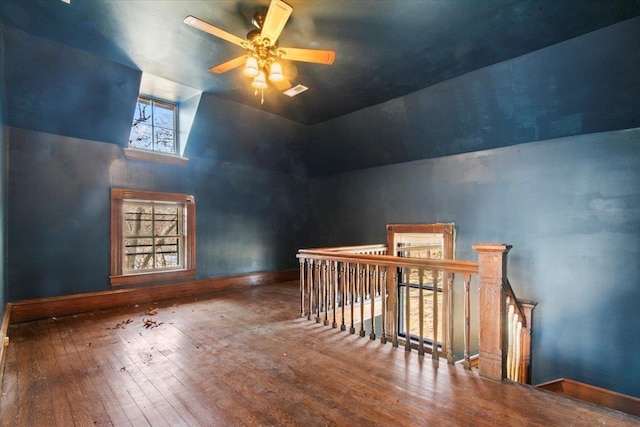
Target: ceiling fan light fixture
275, 72
259, 81
251, 67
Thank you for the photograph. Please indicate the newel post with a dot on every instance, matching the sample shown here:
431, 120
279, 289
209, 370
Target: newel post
492, 262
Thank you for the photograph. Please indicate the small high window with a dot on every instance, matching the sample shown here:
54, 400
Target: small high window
152, 236
154, 126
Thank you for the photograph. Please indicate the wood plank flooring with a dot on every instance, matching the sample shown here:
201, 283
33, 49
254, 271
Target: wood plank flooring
246, 358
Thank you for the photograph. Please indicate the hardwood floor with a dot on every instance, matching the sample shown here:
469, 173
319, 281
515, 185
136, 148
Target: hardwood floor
245, 358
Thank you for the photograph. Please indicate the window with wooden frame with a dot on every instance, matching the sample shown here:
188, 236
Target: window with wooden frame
422, 241
153, 236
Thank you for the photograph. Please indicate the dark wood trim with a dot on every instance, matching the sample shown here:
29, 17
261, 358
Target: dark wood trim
4, 337
159, 276
446, 229
589, 393
23, 311
118, 196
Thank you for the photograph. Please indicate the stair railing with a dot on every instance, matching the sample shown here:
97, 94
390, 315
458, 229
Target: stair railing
356, 285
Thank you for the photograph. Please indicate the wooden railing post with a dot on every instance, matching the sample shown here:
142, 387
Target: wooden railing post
492, 261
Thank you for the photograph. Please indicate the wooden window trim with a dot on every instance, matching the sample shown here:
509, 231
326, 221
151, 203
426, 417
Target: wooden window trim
446, 229
118, 196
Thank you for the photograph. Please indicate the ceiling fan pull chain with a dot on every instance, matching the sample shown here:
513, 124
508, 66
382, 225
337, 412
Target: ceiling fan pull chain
262, 99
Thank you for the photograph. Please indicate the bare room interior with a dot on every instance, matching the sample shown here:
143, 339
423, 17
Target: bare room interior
365, 212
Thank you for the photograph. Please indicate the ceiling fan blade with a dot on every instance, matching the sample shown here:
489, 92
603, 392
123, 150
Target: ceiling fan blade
282, 85
308, 55
215, 31
277, 17
229, 65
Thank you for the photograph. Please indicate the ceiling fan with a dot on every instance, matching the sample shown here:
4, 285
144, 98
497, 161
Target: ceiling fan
263, 55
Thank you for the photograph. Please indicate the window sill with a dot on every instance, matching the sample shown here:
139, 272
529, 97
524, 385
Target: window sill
152, 156
134, 279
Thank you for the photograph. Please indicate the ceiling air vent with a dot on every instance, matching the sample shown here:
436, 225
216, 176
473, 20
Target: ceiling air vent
296, 90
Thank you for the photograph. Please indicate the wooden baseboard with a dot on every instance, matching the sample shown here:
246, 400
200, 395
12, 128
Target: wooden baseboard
4, 337
593, 394
23, 311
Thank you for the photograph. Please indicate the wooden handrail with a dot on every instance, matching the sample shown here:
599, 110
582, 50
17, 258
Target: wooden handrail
354, 249
448, 265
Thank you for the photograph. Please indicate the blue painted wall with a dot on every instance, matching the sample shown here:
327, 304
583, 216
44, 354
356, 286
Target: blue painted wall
3, 183
66, 91
66, 123
247, 217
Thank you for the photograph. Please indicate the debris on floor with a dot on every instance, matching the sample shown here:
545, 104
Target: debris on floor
150, 324
122, 324
152, 311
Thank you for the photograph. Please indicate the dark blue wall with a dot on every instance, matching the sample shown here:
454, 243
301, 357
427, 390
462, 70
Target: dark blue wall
3, 182
247, 217
65, 91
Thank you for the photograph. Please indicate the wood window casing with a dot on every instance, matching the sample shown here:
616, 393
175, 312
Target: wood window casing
407, 287
188, 269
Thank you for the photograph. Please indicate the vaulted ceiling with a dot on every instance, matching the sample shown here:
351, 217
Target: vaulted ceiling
384, 49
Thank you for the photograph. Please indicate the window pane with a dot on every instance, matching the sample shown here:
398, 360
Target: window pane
167, 252
138, 220
141, 137
166, 221
163, 115
143, 111
138, 254
165, 140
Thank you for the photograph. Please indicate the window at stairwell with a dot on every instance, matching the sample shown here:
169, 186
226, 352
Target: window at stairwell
152, 236
422, 241
155, 126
